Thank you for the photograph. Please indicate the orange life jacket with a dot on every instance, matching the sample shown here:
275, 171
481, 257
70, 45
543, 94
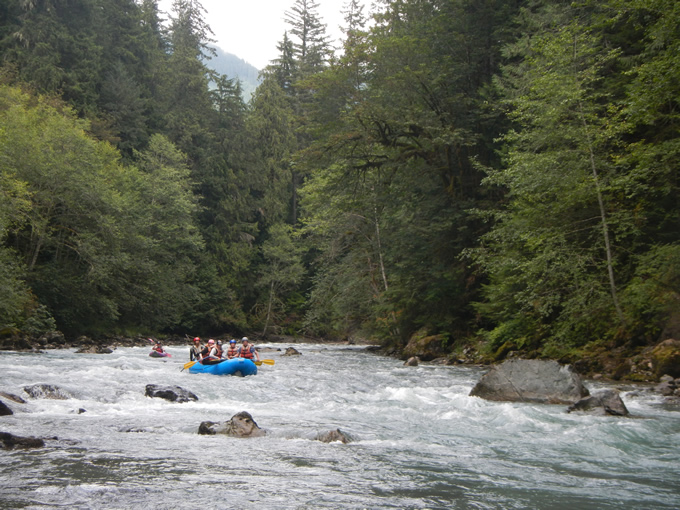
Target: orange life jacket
246, 353
232, 353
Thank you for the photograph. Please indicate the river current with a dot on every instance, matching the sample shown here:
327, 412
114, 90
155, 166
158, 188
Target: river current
420, 442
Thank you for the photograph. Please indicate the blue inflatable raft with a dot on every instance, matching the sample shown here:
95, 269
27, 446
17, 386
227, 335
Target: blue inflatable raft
234, 366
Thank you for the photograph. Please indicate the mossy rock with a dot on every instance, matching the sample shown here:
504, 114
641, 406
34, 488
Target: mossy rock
502, 352
426, 348
666, 358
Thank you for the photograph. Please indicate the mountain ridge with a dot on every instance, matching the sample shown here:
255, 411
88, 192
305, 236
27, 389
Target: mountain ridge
234, 67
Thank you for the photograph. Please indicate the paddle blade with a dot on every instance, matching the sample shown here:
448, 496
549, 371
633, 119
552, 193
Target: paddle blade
265, 362
189, 365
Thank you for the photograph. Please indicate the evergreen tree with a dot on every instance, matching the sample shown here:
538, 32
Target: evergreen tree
400, 129
311, 45
54, 46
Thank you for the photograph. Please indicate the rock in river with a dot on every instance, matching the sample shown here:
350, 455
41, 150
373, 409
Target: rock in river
10, 441
523, 380
171, 393
601, 403
240, 425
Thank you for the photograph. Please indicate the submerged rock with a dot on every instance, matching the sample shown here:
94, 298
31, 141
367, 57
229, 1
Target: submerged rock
331, 436
239, 425
95, 349
413, 361
292, 351
540, 381
601, 403
47, 391
171, 393
11, 441
12, 397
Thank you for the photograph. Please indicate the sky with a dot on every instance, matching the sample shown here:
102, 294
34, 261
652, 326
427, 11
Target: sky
251, 29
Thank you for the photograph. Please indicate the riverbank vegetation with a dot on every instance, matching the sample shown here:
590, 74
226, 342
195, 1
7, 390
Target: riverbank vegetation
498, 176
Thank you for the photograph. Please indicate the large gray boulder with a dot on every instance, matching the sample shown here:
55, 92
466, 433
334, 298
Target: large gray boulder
522, 380
601, 403
239, 425
171, 393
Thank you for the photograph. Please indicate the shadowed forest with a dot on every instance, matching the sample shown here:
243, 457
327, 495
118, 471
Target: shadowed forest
500, 174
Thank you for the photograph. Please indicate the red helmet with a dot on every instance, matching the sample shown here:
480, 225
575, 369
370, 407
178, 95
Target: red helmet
196, 339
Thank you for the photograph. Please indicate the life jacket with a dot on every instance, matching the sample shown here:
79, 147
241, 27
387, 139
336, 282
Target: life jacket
209, 355
246, 353
232, 353
218, 350
194, 352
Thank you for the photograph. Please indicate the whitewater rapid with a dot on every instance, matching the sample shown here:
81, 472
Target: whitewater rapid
420, 442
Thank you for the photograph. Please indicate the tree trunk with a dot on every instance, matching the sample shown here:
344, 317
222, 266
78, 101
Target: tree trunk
603, 217
269, 309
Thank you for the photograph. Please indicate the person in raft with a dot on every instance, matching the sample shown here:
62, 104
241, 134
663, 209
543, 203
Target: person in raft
247, 350
218, 350
209, 353
232, 352
195, 350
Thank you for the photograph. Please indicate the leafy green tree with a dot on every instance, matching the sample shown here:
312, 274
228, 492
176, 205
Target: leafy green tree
14, 204
103, 246
649, 123
73, 207
551, 257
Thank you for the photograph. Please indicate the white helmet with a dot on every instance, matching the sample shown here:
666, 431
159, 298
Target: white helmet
244, 339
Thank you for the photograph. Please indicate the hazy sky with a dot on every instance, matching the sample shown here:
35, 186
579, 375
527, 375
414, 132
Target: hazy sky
251, 29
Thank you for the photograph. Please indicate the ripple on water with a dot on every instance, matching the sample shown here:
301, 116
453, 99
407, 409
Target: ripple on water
421, 441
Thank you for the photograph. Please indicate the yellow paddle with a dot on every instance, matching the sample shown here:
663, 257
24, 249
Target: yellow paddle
190, 364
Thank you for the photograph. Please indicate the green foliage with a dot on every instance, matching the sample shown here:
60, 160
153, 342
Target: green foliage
548, 254
353, 191
280, 273
102, 244
651, 296
40, 322
392, 170
14, 294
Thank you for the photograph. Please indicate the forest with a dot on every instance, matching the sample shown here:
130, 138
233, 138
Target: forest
491, 174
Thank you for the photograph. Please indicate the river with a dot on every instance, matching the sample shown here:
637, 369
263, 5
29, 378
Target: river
420, 442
